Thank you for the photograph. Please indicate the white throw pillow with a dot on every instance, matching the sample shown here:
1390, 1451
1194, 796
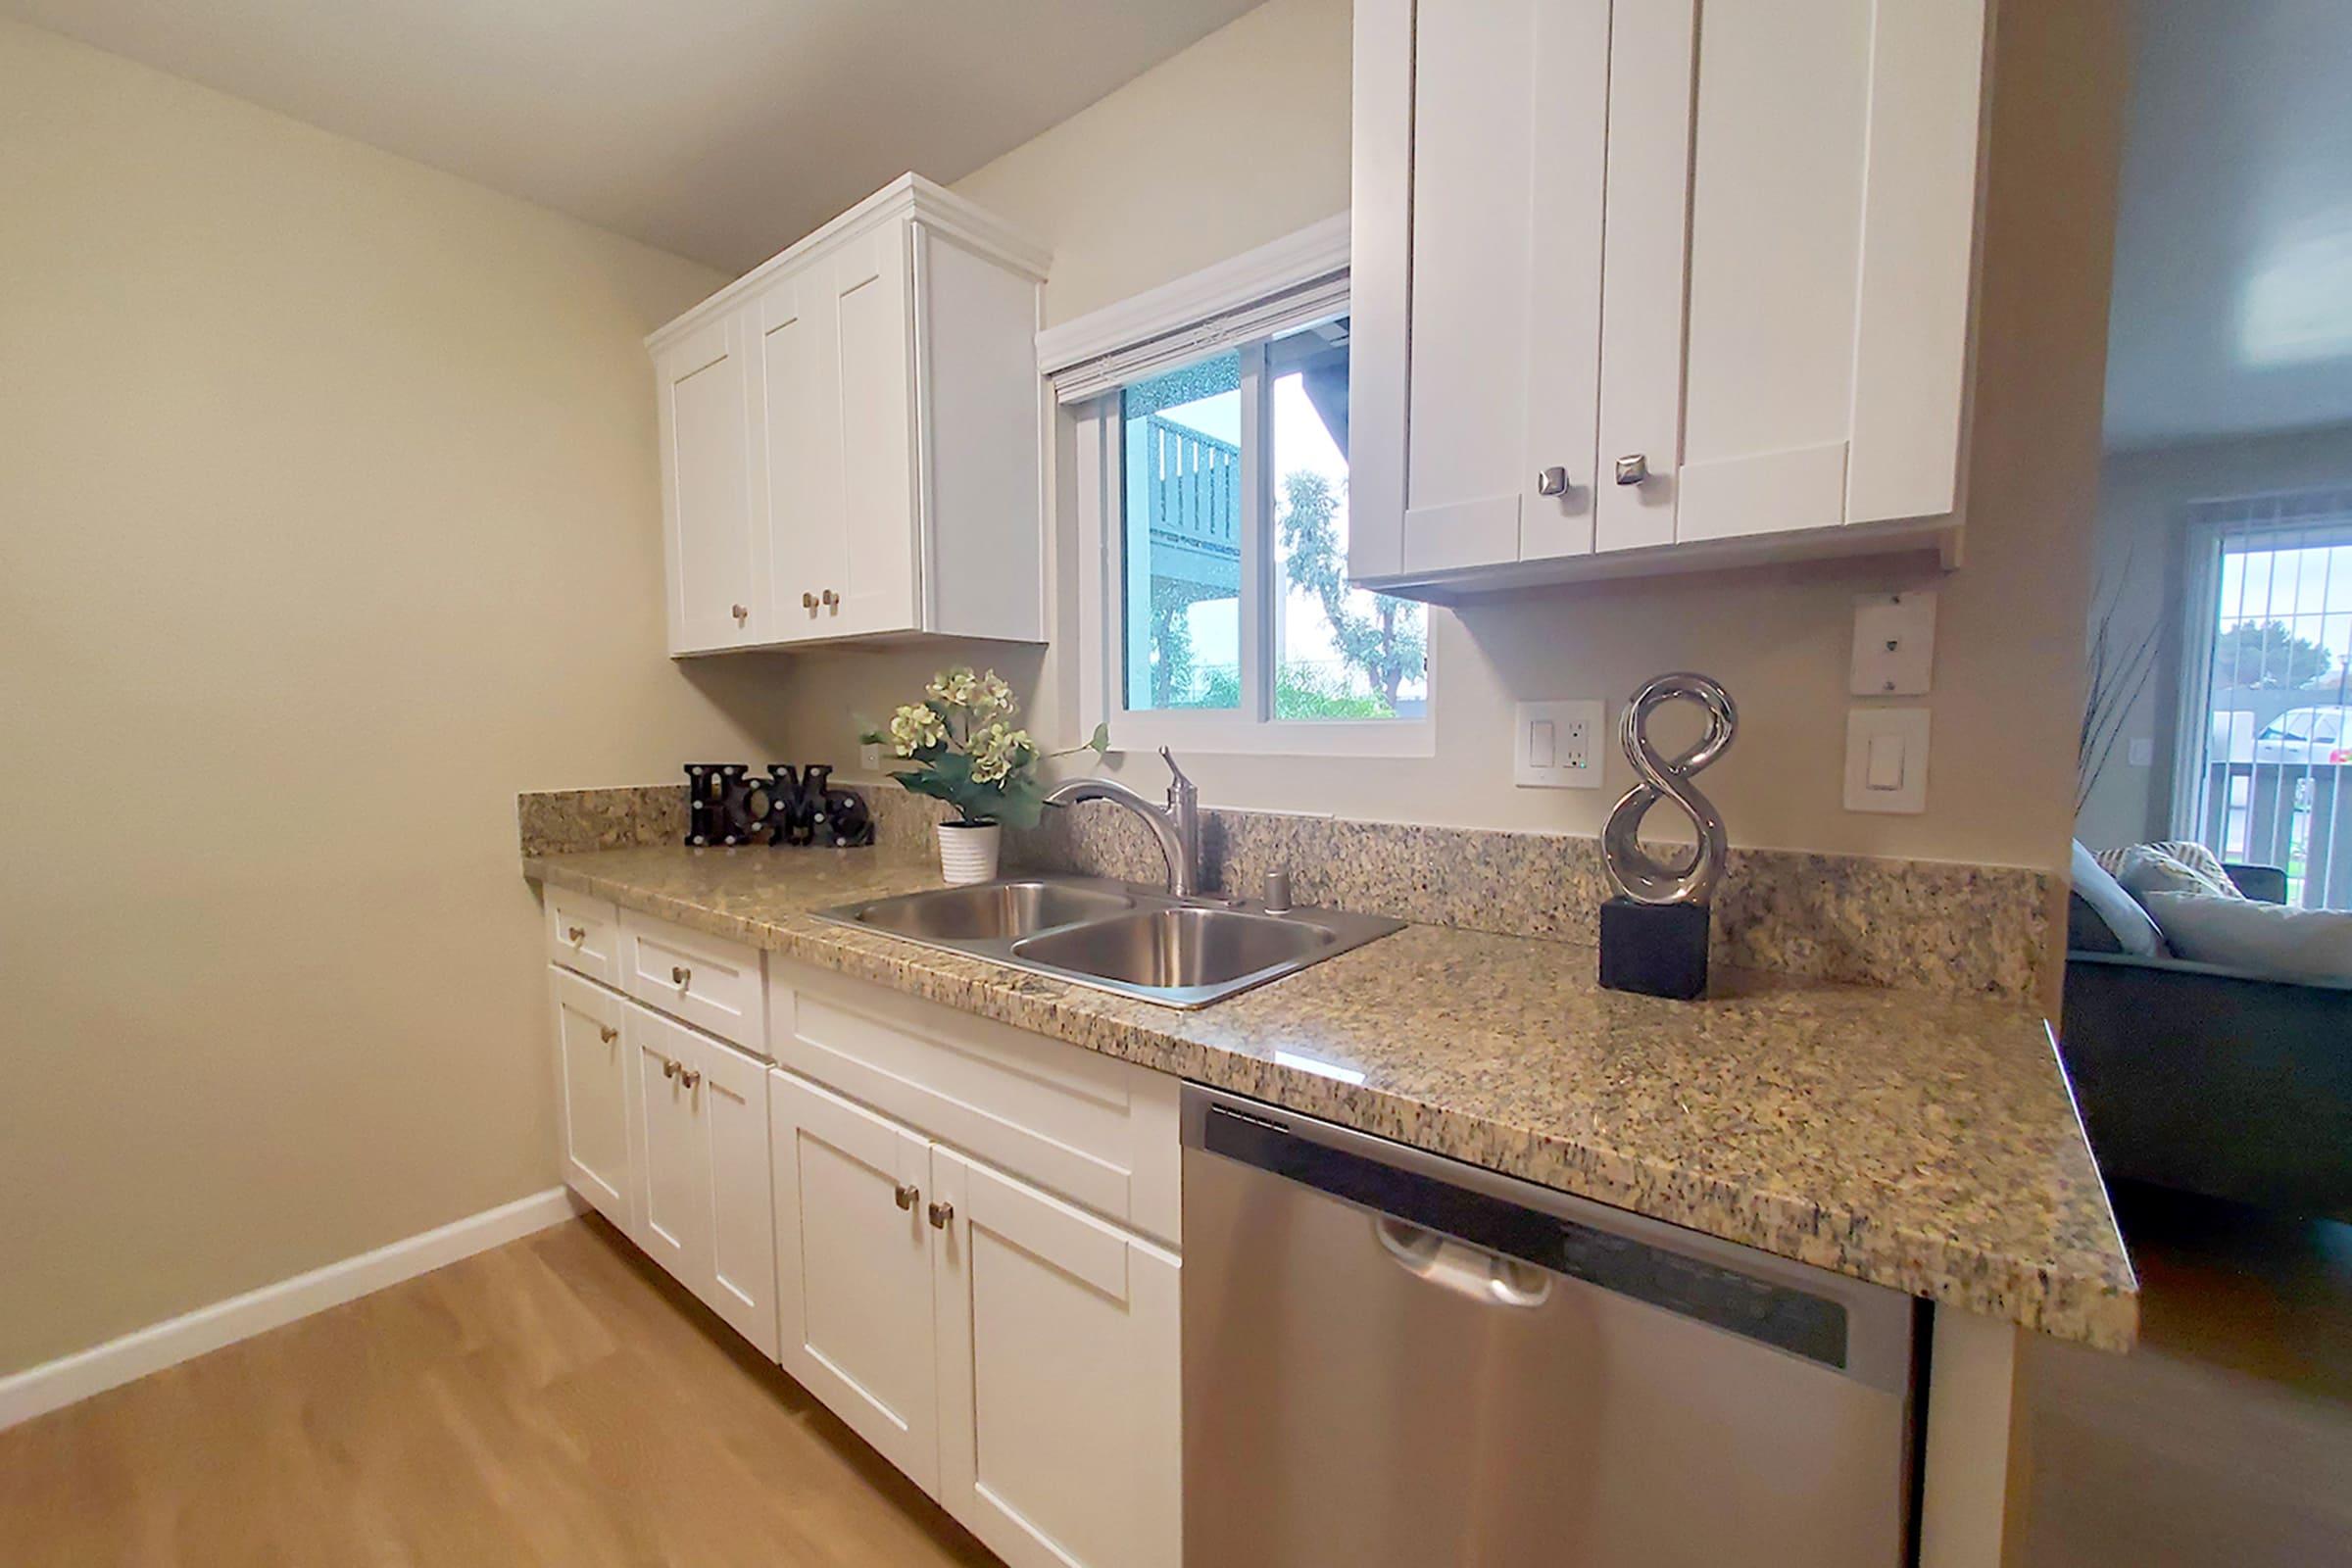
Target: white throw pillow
2272, 939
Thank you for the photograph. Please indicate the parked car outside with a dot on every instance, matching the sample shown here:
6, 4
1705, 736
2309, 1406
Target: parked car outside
2306, 735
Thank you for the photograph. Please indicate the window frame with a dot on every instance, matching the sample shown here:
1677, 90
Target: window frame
1252, 728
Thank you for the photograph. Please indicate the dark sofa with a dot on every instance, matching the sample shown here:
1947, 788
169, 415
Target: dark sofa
2209, 1080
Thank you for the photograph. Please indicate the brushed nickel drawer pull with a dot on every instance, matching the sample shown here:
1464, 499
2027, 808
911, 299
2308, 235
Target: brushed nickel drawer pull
940, 1214
906, 1193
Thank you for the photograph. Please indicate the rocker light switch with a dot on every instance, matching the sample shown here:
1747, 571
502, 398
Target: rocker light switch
1886, 759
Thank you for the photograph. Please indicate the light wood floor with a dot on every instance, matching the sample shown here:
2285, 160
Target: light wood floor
553, 1402
560, 1402
2225, 1440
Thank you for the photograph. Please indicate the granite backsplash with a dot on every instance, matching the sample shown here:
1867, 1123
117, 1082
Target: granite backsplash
1930, 925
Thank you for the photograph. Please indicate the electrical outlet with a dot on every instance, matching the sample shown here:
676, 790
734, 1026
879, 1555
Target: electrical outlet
1558, 746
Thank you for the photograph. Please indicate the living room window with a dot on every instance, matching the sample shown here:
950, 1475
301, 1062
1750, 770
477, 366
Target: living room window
2266, 774
1212, 525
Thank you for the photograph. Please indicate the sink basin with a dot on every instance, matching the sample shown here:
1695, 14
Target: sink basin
1179, 948
991, 911
1110, 936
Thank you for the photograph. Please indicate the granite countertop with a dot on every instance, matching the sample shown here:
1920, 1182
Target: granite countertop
1922, 1141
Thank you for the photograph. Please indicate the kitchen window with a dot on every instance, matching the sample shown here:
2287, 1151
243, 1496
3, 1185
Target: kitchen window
1212, 523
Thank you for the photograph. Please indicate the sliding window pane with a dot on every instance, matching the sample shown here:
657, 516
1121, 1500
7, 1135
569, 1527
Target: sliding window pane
1341, 653
1180, 537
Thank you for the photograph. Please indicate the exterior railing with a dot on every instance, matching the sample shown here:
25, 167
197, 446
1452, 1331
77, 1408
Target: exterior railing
1195, 485
2293, 815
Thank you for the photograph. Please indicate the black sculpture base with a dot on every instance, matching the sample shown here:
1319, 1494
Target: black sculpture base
1658, 950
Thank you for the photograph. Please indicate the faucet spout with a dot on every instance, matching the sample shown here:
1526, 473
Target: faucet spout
1176, 825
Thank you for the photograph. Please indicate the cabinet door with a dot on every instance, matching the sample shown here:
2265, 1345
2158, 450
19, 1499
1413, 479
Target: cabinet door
1831, 156
1494, 194
592, 1062
673, 1176
1059, 1404
715, 554
798, 366
872, 565
728, 1096
854, 1270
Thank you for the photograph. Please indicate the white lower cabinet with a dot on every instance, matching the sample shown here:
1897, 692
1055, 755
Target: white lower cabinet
1015, 1355
854, 1270
593, 1066
1060, 1409
702, 1186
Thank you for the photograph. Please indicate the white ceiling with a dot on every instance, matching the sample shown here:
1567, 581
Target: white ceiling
2233, 249
719, 129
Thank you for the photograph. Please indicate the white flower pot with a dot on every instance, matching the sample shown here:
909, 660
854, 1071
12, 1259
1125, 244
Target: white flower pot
968, 853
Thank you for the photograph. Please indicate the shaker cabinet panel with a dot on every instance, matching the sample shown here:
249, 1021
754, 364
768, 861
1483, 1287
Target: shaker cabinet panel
854, 1270
1639, 282
592, 1062
714, 552
1060, 1405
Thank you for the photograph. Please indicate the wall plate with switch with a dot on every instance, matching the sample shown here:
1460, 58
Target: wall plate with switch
1894, 644
1559, 746
1886, 759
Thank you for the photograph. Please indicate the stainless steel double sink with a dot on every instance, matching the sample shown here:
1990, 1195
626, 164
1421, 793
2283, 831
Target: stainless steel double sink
1134, 942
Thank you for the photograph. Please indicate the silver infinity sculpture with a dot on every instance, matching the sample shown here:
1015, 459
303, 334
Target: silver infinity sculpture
1638, 874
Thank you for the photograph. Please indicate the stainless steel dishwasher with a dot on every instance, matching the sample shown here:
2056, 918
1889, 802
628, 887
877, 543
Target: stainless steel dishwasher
1395, 1358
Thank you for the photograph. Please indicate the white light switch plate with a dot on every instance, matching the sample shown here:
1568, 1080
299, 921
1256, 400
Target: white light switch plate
869, 757
1559, 746
1886, 759
1894, 644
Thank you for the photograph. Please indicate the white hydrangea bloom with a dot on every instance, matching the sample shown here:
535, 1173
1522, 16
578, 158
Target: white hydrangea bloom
915, 727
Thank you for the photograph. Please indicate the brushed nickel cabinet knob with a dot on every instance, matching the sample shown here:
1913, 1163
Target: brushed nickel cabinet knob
669, 1068
1632, 470
575, 935
832, 599
742, 614
906, 1193
807, 601
1553, 481
679, 975
606, 1032
940, 1214
690, 1077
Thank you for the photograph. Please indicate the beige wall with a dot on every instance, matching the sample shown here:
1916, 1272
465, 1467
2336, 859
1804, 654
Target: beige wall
1259, 110
2143, 572
328, 521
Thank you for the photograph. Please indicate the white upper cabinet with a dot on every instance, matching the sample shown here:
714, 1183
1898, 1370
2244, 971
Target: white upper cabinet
1642, 286
714, 551
853, 436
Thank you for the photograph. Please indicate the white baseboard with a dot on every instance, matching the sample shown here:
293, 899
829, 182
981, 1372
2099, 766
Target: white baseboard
53, 1385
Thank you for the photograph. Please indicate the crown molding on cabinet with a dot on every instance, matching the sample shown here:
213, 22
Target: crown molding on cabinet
929, 203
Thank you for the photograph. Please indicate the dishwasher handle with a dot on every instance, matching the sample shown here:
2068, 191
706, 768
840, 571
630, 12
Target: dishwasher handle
1486, 1277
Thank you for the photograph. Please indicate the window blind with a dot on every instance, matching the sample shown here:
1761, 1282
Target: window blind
1299, 304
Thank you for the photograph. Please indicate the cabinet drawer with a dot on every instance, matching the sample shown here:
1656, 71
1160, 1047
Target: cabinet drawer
1101, 1132
583, 935
709, 981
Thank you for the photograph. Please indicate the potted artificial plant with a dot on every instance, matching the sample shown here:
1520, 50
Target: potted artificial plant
966, 751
